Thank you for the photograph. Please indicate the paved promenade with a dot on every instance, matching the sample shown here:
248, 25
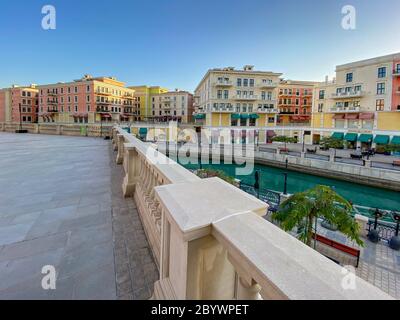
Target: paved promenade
61, 205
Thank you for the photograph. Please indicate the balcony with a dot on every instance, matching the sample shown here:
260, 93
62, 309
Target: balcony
267, 85
344, 109
102, 109
221, 109
344, 95
191, 223
246, 98
52, 110
267, 110
223, 83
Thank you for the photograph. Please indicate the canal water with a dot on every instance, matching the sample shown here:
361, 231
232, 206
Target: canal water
273, 179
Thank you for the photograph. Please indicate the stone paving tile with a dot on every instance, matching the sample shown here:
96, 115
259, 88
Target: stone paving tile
61, 204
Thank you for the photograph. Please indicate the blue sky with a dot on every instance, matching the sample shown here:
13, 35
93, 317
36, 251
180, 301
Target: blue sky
173, 43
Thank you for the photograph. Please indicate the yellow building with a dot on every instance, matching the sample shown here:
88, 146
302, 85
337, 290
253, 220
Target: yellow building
242, 100
144, 95
362, 101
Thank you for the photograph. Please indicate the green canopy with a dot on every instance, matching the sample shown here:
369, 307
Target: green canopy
381, 139
366, 138
351, 137
338, 135
200, 116
396, 140
244, 116
235, 116
143, 131
254, 116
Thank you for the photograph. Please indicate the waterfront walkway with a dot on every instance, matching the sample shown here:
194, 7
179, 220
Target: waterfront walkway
61, 204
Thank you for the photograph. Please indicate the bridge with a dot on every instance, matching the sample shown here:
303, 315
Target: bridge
165, 233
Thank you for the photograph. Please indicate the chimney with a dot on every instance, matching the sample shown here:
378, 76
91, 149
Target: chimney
248, 67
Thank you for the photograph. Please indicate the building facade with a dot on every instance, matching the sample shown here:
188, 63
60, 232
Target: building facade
172, 106
88, 100
19, 104
295, 102
363, 99
238, 99
144, 98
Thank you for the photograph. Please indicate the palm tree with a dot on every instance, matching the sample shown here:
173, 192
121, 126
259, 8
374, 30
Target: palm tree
303, 208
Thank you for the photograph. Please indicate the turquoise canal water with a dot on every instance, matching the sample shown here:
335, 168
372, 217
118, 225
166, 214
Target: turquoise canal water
273, 179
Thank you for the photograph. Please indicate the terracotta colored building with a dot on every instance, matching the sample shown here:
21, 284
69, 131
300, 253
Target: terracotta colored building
88, 100
396, 86
19, 104
295, 102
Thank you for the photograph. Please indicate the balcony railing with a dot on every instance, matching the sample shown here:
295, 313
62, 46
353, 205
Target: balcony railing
246, 98
396, 72
210, 241
268, 85
223, 83
267, 110
344, 109
352, 94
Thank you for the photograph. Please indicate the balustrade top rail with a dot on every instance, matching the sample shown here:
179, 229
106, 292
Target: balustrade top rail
209, 232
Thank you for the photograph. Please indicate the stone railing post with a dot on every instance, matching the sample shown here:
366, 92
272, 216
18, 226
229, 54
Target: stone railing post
120, 142
131, 166
193, 264
367, 163
303, 155
332, 156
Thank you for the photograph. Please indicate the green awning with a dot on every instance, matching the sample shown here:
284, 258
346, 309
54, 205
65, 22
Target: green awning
200, 116
254, 116
337, 135
366, 138
235, 116
244, 116
396, 140
381, 139
143, 131
351, 137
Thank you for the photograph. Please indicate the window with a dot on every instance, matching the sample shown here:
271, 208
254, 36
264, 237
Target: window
234, 122
252, 122
239, 82
262, 95
380, 89
245, 82
87, 88
226, 94
380, 105
76, 108
349, 77
88, 108
219, 94
321, 94
251, 82
271, 119
357, 88
397, 68
76, 89
382, 72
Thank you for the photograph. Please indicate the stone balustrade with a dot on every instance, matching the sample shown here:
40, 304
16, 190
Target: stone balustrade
210, 241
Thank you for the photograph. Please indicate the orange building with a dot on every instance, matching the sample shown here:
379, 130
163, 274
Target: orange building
19, 104
88, 100
295, 102
396, 86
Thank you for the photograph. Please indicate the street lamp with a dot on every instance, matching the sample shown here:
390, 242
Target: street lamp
285, 175
373, 235
257, 175
304, 134
395, 240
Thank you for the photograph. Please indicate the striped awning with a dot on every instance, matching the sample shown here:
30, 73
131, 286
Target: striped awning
381, 139
337, 135
367, 116
351, 137
395, 140
351, 116
366, 138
